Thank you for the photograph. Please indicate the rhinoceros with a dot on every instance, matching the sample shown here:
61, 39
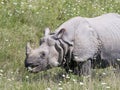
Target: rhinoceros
78, 42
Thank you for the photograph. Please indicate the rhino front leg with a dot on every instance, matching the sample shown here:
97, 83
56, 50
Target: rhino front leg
116, 65
85, 68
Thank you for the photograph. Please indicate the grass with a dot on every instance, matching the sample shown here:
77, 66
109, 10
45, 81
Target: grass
24, 20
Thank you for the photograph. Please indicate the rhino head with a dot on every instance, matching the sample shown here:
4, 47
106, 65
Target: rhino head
46, 55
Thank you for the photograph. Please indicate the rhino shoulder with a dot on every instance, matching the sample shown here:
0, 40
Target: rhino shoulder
86, 43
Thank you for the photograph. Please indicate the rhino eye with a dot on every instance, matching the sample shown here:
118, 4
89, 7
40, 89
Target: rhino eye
42, 54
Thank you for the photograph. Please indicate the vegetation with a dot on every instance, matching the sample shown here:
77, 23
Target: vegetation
24, 20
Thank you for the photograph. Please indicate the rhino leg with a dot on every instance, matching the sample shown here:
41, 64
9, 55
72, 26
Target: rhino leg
85, 68
116, 65
71, 66
97, 62
79, 68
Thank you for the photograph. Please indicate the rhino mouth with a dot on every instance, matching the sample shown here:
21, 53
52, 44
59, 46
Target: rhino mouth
37, 68
33, 69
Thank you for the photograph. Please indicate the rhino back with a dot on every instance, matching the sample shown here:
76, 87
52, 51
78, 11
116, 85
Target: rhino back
108, 28
83, 33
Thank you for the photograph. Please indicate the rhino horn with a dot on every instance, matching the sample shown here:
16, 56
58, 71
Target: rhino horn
47, 31
28, 48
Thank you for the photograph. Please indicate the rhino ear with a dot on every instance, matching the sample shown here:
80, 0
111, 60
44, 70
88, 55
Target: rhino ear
28, 49
47, 31
60, 33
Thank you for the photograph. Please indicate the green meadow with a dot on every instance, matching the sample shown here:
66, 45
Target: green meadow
22, 21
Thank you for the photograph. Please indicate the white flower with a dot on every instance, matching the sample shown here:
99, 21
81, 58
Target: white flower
17, 11
68, 14
107, 87
27, 76
78, 1
9, 45
68, 82
43, 7
22, 3
37, 12
30, 69
48, 88
97, 73
1, 74
22, 11
59, 84
10, 14
63, 75
70, 70
118, 59
103, 83
102, 8
15, 3
69, 6
30, 0
74, 9
67, 76
2, 2
1, 70
12, 79
11, 72
74, 80
104, 73
30, 6
81, 83
60, 88
60, 81
64, 12
46, 7
6, 40
9, 79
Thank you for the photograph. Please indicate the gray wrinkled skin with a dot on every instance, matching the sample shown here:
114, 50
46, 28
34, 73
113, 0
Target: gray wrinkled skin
78, 40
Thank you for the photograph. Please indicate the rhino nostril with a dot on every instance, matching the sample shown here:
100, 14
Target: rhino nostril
28, 64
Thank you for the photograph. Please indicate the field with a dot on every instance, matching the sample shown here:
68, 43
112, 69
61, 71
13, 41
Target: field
25, 20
